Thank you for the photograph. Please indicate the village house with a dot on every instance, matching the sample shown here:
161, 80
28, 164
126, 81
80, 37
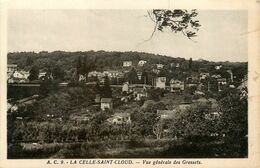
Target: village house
21, 74
139, 93
175, 65
26, 74
97, 74
218, 67
139, 75
120, 118
11, 68
106, 103
166, 114
216, 76
159, 66
125, 87
176, 85
141, 63
160, 82
18, 77
127, 63
157, 71
97, 98
42, 75
204, 75
221, 83
112, 74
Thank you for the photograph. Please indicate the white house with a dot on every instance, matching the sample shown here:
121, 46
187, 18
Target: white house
42, 74
120, 118
127, 63
25, 74
204, 75
11, 68
222, 81
106, 103
82, 78
176, 85
141, 62
159, 66
125, 87
18, 75
160, 82
111, 74
97, 74
218, 67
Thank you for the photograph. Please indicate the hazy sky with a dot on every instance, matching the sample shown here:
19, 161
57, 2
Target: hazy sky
220, 37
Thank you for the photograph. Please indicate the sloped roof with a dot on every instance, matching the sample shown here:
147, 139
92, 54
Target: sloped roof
139, 90
121, 114
106, 100
12, 65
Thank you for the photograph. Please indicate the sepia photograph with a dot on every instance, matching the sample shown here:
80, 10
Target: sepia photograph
127, 83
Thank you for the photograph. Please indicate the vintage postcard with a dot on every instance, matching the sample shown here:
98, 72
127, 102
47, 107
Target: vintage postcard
133, 84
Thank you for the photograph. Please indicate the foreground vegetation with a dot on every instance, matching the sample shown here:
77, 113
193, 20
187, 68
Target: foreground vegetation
148, 148
189, 134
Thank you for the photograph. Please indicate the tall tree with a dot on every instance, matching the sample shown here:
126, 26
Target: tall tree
190, 64
79, 65
29, 61
58, 73
144, 78
34, 73
107, 92
132, 76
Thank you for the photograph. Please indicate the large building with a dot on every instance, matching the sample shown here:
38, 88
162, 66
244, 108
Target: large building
127, 63
160, 82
